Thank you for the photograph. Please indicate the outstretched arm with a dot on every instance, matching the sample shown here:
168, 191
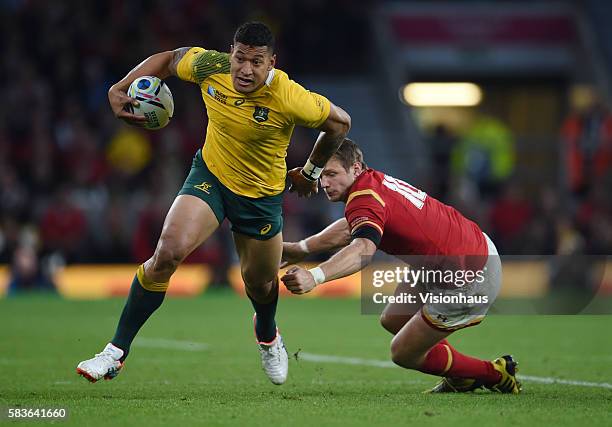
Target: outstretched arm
334, 236
347, 261
161, 65
333, 132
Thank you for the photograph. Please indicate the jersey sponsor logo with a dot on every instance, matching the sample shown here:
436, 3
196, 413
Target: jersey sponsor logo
218, 95
265, 229
205, 186
239, 102
261, 114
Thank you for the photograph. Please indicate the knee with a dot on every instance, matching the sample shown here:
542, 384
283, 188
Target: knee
393, 322
168, 255
386, 321
260, 287
401, 354
396, 351
258, 278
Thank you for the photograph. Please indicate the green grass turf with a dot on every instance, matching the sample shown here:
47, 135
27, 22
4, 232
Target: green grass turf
42, 340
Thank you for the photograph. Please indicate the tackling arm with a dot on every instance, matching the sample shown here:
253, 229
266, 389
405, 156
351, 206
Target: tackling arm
349, 260
346, 262
334, 236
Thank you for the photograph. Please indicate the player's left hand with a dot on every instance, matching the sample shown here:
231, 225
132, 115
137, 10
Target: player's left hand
298, 280
301, 184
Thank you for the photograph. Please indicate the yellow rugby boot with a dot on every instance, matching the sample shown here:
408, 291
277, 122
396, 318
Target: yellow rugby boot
508, 383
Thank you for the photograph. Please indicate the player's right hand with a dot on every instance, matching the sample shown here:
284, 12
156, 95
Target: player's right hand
120, 102
298, 280
302, 185
292, 254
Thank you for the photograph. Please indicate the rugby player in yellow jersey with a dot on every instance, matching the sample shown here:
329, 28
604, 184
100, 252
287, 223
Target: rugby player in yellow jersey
239, 174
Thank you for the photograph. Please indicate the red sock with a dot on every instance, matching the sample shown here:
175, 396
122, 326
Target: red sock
443, 360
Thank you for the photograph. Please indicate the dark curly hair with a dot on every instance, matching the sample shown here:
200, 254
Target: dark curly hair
255, 34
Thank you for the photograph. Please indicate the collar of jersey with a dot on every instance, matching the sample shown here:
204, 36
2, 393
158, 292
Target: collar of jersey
270, 77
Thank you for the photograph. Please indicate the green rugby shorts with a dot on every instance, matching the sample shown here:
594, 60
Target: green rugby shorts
259, 218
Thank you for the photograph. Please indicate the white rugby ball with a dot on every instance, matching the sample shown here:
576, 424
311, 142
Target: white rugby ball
155, 99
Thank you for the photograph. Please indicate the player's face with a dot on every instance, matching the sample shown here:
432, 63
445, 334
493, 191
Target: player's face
336, 181
249, 66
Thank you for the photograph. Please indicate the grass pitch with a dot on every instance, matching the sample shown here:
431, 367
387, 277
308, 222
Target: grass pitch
197, 364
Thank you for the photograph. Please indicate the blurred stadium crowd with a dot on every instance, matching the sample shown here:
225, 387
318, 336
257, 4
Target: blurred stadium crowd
78, 186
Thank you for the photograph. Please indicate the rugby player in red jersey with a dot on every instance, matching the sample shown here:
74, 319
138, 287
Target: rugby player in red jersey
386, 213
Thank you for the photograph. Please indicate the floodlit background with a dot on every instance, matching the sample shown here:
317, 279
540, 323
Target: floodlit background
500, 109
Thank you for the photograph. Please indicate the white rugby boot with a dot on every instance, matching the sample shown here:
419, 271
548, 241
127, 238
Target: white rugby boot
274, 358
104, 365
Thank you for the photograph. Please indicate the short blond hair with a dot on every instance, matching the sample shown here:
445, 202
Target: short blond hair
348, 153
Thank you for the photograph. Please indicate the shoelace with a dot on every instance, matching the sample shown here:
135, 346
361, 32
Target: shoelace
106, 355
272, 352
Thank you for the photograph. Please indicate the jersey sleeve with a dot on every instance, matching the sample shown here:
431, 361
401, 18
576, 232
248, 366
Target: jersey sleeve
198, 64
305, 108
365, 208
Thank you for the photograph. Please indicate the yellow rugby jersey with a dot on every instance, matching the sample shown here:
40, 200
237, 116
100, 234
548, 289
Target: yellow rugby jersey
248, 134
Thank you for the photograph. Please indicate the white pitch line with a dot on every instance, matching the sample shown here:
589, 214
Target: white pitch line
309, 357
170, 344
550, 380
322, 358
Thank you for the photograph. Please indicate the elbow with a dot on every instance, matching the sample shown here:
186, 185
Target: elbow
344, 123
366, 249
170, 58
340, 122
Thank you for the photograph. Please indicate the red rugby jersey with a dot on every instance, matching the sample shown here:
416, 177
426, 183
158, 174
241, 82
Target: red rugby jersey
410, 221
